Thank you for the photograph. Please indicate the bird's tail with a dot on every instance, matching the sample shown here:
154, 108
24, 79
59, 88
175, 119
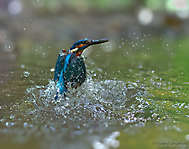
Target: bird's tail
56, 96
61, 89
60, 86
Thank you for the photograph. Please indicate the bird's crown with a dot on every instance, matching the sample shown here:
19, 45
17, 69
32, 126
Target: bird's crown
79, 46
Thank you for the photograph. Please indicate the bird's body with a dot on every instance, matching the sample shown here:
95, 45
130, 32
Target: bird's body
70, 68
76, 71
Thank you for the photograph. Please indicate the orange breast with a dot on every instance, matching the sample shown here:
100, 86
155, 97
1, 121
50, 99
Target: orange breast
79, 53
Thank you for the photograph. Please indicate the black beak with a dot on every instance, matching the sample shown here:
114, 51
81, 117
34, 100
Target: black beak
93, 42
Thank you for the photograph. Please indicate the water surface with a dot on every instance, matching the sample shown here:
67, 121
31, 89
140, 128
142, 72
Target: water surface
135, 96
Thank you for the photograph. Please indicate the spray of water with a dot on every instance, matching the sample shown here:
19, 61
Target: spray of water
105, 103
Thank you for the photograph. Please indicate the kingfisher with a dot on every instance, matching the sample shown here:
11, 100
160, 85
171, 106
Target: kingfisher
70, 70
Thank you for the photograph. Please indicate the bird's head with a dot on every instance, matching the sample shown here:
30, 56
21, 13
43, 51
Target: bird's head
79, 46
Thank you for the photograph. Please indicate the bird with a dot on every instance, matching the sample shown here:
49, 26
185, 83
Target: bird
70, 69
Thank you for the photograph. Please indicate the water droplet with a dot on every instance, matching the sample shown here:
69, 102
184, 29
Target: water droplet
135, 84
177, 128
12, 123
140, 66
26, 74
98, 145
25, 124
12, 116
52, 70
173, 92
2, 120
15, 7
22, 66
145, 16
111, 141
7, 124
8, 46
187, 137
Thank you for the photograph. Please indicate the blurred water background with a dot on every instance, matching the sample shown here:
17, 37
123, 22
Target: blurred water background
137, 89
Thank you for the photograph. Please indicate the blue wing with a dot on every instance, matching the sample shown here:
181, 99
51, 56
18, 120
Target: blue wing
60, 68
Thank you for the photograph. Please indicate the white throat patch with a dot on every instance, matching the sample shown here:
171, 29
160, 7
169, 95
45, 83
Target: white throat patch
74, 50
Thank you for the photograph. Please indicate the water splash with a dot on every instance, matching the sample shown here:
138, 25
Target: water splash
106, 103
108, 142
26, 74
92, 112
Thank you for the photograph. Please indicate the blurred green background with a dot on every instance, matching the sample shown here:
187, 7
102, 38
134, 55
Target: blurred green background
149, 45
61, 22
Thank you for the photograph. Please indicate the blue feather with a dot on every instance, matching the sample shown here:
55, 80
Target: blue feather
57, 68
61, 84
59, 65
77, 43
